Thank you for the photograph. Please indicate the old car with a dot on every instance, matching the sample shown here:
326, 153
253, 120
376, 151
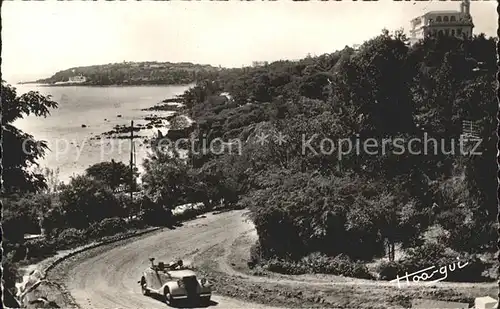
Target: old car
175, 282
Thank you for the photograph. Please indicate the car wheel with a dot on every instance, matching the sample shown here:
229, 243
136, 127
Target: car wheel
144, 287
168, 298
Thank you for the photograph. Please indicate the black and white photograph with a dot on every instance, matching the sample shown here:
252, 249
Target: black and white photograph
249, 154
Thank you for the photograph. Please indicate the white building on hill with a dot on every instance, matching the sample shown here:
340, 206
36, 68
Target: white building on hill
454, 23
77, 79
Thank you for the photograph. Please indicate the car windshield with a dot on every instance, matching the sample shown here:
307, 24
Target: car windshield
178, 266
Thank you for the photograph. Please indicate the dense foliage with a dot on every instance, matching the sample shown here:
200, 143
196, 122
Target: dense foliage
315, 208
21, 208
20, 157
114, 174
86, 200
355, 203
135, 73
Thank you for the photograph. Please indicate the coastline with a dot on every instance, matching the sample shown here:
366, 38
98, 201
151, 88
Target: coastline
92, 123
110, 85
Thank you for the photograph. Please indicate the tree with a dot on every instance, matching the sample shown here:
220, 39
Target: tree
113, 174
86, 200
376, 82
51, 178
23, 150
165, 175
153, 213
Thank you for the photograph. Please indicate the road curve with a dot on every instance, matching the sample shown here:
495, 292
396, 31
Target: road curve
108, 277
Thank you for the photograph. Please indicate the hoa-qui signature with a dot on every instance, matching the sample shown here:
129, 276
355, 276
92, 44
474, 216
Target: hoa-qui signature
443, 270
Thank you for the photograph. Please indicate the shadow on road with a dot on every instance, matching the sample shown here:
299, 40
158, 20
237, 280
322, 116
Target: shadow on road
173, 226
184, 304
187, 305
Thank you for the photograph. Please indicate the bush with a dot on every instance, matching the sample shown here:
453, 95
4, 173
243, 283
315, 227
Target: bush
178, 122
113, 174
129, 207
86, 200
70, 237
53, 221
12, 227
107, 227
340, 265
154, 214
283, 266
343, 265
40, 248
9, 274
136, 223
21, 215
388, 270
471, 272
255, 255
433, 254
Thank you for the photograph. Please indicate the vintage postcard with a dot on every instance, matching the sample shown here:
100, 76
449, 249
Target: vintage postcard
249, 154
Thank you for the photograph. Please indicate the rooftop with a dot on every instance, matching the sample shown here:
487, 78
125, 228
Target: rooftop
443, 12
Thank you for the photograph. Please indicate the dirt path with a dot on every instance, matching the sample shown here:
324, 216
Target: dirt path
106, 277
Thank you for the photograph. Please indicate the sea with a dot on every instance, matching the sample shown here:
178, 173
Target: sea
86, 112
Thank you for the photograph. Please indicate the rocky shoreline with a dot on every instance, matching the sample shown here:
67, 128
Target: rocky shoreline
178, 122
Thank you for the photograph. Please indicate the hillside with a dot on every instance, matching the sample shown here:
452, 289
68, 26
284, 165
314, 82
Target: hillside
320, 205
132, 73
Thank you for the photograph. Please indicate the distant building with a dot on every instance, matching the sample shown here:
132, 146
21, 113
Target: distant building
77, 79
452, 23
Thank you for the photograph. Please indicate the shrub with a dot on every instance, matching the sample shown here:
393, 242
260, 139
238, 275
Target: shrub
343, 265
434, 254
52, 221
129, 207
113, 174
40, 248
255, 255
388, 270
86, 200
471, 271
9, 274
154, 214
285, 266
340, 265
70, 237
179, 122
136, 223
359, 270
21, 215
428, 254
107, 227
12, 227
318, 263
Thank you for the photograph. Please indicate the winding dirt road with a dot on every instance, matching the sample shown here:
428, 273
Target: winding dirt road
107, 277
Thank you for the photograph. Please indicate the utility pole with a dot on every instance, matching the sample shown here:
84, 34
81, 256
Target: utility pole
132, 160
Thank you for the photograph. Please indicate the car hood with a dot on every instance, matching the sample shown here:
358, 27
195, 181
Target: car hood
182, 273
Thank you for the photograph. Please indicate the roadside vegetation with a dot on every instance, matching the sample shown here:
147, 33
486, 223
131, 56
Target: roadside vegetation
41, 215
359, 215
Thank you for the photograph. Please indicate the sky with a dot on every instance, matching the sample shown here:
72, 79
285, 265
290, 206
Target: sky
41, 38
